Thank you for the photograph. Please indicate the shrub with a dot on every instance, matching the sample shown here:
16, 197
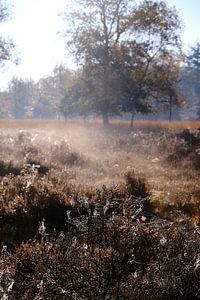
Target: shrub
137, 185
7, 168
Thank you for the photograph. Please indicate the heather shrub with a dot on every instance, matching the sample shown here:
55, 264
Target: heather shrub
186, 149
7, 168
64, 155
137, 185
119, 259
73, 227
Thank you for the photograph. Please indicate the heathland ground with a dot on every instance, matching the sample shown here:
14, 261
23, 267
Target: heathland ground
99, 212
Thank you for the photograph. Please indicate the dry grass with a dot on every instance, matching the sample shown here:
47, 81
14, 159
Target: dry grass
46, 124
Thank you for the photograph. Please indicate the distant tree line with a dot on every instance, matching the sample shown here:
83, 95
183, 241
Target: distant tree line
25, 98
189, 83
129, 59
67, 94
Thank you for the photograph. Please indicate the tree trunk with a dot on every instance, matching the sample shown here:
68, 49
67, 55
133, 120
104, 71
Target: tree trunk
132, 119
105, 118
170, 108
133, 112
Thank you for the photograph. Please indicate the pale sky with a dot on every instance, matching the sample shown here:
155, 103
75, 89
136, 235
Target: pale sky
189, 12
34, 26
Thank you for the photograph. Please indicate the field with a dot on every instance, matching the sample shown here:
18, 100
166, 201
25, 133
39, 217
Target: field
95, 212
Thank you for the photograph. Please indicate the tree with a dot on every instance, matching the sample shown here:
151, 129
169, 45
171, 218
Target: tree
148, 79
189, 84
193, 71
63, 79
159, 28
45, 98
6, 53
193, 60
166, 76
131, 63
70, 103
6, 105
21, 94
48, 93
100, 27
6, 45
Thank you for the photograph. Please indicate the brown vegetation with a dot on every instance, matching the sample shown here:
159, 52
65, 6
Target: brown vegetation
92, 212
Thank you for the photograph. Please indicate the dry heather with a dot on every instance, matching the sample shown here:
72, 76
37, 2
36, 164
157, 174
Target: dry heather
92, 212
